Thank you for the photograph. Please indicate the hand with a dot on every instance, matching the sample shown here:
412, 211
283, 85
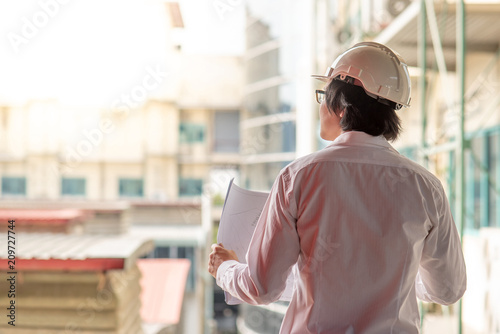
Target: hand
219, 254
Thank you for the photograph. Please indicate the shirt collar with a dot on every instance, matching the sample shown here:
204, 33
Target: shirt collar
358, 138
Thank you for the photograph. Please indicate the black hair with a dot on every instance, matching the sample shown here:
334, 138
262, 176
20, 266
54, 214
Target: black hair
361, 111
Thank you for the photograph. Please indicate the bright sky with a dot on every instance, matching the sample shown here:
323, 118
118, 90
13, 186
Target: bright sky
90, 50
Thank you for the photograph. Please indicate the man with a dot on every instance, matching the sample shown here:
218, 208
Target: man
369, 229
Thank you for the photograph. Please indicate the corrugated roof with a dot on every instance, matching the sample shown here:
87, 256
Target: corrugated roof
163, 282
58, 250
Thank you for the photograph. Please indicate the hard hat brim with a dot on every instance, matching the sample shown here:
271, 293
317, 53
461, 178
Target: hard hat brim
323, 78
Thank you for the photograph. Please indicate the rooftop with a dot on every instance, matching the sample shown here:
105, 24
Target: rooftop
48, 251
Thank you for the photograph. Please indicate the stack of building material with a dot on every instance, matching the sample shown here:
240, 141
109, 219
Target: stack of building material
491, 245
75, 284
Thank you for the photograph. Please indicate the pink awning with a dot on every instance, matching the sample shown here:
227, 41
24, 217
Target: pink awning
33, 216
163, 282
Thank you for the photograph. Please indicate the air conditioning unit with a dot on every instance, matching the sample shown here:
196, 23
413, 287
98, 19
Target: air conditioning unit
396, 7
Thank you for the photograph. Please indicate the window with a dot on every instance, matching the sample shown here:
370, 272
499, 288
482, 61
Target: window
190, 187
409, 152
288, 141
482, 191
176, 252
73, 186
191, 133
270, 138
482, 170
227, 131
188, 253
131, 187
493, 180
13, 185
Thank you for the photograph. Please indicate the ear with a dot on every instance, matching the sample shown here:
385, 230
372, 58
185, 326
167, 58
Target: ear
341, 114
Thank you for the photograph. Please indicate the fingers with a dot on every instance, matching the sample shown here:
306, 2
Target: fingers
211, 261
222, 253
218, 255
215, 246
212, 268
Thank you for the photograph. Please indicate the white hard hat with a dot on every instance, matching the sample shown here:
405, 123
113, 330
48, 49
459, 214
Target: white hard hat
381, 72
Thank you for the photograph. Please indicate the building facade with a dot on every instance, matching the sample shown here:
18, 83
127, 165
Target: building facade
159, 150
278, 110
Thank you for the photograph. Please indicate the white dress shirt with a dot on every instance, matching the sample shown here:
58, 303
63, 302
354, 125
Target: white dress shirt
370, 231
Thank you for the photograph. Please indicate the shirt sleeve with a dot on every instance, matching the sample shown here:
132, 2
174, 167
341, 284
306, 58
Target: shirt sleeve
273, 251
442, 276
